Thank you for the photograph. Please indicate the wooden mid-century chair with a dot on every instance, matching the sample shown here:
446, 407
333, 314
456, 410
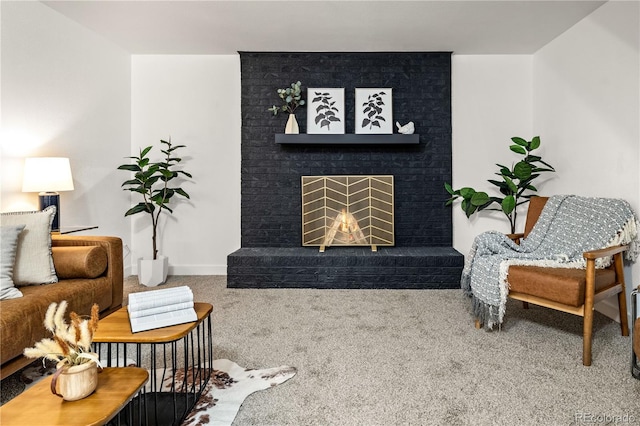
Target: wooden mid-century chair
570, 290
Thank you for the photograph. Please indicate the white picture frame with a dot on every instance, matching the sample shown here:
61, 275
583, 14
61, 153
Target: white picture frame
325, 110
374, 111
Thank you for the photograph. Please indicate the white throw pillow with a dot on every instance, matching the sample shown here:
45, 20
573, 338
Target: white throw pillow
34, 263
8, 247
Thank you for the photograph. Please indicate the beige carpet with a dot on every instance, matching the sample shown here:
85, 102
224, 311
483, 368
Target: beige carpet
388, 357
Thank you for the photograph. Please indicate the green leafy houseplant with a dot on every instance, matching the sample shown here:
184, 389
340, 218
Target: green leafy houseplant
515, 181
291, 99
152, 181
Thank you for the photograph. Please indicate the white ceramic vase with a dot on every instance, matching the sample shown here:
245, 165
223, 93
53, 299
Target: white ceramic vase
292, 125
75, 382
153, 272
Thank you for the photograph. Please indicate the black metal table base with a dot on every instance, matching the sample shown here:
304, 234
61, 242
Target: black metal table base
157, 408
179, 371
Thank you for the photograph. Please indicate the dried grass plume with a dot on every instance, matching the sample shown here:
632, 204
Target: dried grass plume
71, 343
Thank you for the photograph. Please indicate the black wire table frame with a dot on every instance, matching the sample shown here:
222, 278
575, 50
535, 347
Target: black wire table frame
179, 359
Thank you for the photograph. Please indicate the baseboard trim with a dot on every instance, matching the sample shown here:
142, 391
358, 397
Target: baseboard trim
198, 270
186, 270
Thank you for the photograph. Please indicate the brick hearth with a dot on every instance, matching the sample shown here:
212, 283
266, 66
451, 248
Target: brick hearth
345, 267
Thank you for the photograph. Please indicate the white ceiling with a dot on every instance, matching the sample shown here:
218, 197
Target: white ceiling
225, 27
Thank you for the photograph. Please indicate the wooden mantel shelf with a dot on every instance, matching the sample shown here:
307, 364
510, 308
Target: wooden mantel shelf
346, 139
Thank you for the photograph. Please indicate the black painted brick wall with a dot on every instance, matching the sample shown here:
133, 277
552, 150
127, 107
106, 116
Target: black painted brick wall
421, 83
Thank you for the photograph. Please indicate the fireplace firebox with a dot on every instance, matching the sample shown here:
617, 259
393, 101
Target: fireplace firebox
347, 211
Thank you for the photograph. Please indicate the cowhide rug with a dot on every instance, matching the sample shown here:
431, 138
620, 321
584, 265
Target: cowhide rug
220, 402
228, 387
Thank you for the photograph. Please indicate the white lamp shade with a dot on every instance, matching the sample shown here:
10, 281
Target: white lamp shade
47, 174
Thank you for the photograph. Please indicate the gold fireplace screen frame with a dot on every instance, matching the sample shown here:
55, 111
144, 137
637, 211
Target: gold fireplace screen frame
347, 211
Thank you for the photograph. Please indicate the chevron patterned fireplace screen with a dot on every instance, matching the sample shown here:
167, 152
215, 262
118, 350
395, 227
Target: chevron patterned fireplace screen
347, 211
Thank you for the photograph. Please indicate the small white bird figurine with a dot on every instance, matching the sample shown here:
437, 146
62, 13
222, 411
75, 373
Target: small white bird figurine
407, 129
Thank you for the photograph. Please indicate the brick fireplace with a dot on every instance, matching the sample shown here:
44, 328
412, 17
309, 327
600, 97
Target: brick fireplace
271, 253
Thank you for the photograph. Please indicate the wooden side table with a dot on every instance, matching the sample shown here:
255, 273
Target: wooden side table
38, 406
180, 360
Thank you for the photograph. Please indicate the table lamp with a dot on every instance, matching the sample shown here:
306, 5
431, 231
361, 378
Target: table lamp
48, 175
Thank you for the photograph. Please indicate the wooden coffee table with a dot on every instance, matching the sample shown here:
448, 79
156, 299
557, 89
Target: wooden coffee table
179, 358
38, 406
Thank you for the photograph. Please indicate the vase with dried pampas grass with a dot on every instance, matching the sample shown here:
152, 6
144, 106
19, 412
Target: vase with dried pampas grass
70, 347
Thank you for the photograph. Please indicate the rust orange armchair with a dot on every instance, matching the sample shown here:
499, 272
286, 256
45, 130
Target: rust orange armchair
574, 291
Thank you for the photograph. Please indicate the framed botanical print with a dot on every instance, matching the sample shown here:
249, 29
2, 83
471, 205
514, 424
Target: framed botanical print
325, 111
374, 111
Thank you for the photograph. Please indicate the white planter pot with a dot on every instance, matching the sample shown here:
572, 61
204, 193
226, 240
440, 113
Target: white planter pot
153, 272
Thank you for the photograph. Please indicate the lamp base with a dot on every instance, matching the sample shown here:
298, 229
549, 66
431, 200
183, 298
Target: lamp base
51, 199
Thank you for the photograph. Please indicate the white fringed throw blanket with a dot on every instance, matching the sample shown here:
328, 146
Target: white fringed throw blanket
568, 226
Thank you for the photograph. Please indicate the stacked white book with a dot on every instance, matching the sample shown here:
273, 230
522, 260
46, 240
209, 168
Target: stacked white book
160, 308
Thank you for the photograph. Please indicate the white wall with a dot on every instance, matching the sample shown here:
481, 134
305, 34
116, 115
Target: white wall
195, 100
65, 92
586, 86
491, 102
587, 107
68, 92
580, 93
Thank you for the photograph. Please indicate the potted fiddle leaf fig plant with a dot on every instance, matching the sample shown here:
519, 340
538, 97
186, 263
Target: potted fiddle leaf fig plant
513, 185
155, 182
